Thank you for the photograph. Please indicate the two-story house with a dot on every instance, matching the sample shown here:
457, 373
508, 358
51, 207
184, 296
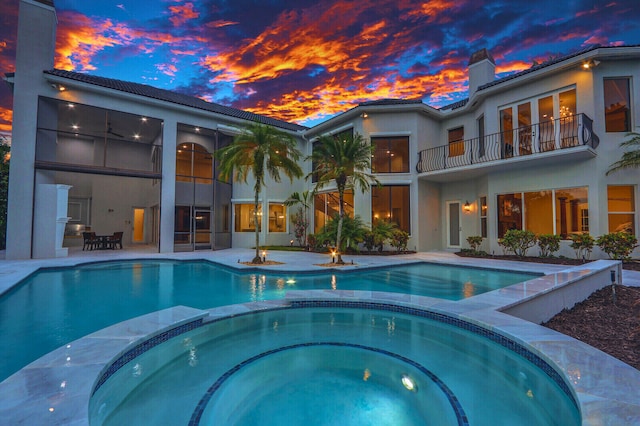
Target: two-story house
527, 151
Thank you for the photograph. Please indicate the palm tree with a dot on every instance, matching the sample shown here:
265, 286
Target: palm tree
630, 159
258, 150
304, 199
347, 161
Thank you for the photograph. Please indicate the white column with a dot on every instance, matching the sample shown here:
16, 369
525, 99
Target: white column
168, 195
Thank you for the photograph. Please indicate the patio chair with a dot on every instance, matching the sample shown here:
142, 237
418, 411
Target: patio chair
115, 240
89, 240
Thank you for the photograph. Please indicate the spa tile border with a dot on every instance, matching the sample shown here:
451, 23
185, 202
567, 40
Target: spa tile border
461, 416
503, 341
143, 347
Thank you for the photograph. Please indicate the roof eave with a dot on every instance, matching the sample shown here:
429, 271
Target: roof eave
87, 86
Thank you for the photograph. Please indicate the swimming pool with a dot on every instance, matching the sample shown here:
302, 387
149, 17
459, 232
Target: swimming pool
335, 363
55, 306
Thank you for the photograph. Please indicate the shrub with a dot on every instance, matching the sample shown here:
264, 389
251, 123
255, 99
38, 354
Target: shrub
353, 231
518, 241
474, 242
399, 240
300, 226
618, 245
582, 244
548, 244
312, 241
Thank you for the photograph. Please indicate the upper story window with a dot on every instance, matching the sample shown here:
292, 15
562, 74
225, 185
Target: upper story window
391, 155
617, 101
456, 141
193, 162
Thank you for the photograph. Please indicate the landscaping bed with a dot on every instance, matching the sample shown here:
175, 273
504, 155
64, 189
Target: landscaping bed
633, 265
612, 328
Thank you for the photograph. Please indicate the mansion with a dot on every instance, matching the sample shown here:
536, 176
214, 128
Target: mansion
528, 151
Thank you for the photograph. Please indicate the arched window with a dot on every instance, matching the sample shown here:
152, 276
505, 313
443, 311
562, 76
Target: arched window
193, 163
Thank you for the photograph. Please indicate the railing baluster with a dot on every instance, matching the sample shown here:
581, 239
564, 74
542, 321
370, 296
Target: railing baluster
565, 132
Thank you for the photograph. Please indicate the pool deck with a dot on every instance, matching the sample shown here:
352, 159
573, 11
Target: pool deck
56, 388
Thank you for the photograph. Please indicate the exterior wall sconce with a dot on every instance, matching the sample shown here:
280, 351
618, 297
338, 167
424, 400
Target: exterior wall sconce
58, 87
590, 64
466, 207
364, 115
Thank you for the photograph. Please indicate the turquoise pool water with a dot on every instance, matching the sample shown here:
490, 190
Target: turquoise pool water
54, 307
332, 366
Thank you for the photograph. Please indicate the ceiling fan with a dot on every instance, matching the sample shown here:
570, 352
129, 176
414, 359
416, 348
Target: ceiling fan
111, 132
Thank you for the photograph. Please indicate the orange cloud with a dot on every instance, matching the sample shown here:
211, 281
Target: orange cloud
220, 23
80, 38
182, 13
6, 118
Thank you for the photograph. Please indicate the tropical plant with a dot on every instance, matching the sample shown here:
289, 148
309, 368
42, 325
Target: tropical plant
312, 240
399, 240
618, 245
631, 158
379, 233
518, 241
300, 225
259, 150
474, 242
345, 160
300, 222
549, 244
353, 232
5, 150
582, 244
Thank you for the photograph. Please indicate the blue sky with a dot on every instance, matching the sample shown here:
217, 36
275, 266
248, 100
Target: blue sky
305, 61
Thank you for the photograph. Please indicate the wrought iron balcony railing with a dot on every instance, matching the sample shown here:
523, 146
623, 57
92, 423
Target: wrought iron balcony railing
561, 133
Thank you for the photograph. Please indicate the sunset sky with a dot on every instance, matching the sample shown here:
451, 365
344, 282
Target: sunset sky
305, 61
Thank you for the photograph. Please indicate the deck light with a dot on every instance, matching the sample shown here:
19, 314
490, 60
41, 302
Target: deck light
333, 256
264, 255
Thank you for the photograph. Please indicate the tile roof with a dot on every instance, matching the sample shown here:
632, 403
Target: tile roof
460, 104
172, 97
380, 102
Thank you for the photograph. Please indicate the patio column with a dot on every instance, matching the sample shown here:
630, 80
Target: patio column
168, 195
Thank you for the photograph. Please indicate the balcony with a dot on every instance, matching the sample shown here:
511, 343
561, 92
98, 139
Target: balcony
555, 139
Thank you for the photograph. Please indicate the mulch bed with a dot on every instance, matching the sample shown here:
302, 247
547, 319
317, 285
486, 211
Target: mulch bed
633, 265
612, 328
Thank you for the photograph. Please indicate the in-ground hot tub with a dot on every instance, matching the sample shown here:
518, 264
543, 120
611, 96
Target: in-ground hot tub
353, 362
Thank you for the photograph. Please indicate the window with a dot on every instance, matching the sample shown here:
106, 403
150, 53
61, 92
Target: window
561, 212
617, 115
481, 136
193, 161
391, 155
570, 205
325, 207
621, 207
456, 142
483, 217
391, 203
277, 217
244, 218
568, 121
509, 213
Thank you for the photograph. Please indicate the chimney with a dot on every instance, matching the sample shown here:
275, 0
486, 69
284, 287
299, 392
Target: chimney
482, 70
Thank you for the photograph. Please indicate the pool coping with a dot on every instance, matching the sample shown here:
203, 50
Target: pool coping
57, 387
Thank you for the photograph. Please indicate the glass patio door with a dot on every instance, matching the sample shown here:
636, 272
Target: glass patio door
202, 228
